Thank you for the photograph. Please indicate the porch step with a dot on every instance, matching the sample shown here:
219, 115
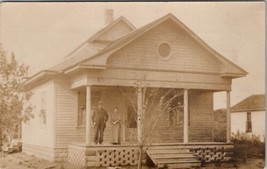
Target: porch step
175, 160
170, 151
172, 157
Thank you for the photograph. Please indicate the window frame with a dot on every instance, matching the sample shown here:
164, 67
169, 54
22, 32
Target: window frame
96, 95
170, 52
248, 123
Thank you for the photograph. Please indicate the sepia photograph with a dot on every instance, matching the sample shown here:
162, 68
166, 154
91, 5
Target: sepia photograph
132, 85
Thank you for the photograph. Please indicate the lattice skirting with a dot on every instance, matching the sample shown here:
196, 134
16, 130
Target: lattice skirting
102, 156
76, 155
112, 156
125, 156
213, 153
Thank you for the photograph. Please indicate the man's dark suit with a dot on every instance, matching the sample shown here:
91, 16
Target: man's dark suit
100, 117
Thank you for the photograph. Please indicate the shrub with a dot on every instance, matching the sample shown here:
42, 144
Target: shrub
247, 146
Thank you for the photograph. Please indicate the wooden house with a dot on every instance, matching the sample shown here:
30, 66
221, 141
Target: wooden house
248, 116
164, 54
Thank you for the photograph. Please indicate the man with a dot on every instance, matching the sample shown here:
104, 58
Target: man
100, 117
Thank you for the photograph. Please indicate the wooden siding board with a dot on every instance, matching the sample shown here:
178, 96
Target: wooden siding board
200, 128
67, 131
66, 116
67, 107
187, 54
34, 133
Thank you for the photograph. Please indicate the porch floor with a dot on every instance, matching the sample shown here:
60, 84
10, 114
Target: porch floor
129, 144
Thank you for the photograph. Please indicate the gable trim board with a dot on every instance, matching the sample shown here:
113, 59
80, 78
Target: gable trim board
99, 60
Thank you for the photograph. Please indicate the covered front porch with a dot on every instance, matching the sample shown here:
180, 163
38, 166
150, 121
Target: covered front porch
177, 115
161, 109
189, 128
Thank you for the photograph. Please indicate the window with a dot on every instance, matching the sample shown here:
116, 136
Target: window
43, 110
249, 123
175, 111
176, 114
81, 115
164, 50
131, 117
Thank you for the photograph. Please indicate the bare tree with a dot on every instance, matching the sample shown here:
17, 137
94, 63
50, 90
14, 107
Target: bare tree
157, 102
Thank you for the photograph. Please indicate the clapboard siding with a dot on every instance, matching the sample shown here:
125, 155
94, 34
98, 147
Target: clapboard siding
111, 97
34, 132
66, 115
186, 53
67, 132
201, 108
166, 133
200, 124
67, 108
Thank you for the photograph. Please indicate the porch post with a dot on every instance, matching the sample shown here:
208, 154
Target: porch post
88, 115
186, 116
139, 114
228, 118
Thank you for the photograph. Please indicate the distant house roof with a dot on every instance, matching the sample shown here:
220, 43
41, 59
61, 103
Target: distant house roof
251, 103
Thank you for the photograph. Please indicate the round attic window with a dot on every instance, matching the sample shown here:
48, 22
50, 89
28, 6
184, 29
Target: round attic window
164, 50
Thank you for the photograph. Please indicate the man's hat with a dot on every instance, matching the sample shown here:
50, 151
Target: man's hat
100, 102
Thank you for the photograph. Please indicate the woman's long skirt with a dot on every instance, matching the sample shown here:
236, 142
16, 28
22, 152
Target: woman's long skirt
116, 133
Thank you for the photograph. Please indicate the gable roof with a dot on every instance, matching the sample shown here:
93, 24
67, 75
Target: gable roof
230, 70
108, 27
91, 53
102, 31
89, 47
251, 103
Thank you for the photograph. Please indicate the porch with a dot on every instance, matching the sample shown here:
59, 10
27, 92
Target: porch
184, 126
185, 141
188, 116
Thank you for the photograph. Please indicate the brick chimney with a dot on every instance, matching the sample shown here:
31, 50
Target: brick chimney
108, 16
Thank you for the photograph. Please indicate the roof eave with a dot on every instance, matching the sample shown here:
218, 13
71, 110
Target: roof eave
232, 75
247, 110
45, 74
84, 66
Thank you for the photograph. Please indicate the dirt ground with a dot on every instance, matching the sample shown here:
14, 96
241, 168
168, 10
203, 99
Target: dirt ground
23, 161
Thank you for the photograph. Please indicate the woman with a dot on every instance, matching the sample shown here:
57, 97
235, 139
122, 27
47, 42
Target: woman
116, 125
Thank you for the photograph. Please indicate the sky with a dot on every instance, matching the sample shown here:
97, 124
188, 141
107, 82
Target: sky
42, 34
